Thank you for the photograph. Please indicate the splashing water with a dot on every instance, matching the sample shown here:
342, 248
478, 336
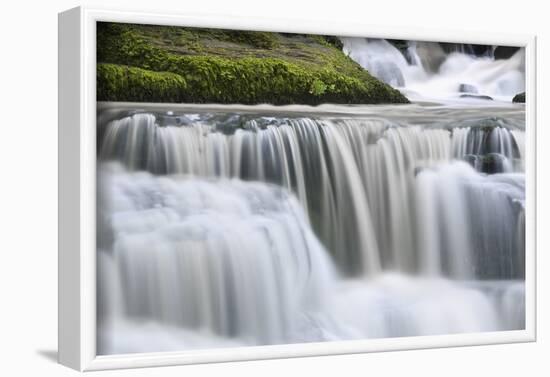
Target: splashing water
431, 73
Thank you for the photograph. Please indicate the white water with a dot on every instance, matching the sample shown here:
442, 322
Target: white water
225, 257
432, 74
224, 228
217, 263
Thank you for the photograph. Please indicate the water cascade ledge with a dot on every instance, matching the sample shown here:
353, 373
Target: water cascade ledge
306, 228
356, 179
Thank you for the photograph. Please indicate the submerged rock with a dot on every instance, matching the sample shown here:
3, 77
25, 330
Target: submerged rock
477, 96
467, 88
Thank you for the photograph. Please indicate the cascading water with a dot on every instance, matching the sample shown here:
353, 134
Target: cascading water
225, 227
230, 257
423, 70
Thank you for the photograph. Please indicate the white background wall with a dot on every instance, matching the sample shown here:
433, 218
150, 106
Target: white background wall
28, 199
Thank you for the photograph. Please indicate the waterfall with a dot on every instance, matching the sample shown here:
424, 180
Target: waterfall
379, 57
426, 70
223, 228
359, 174
478, 222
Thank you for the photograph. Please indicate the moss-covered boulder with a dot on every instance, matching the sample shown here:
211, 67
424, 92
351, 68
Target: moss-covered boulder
519, 98
123, 83
174, 64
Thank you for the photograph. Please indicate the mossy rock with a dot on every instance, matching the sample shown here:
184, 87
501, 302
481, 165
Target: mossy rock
217, 66
123, 83
519, 98
253, 38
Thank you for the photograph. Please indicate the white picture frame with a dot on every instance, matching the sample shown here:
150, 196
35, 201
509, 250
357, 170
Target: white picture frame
77, 191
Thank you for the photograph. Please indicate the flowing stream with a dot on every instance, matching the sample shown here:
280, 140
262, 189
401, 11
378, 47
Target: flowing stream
425, 70
221, 226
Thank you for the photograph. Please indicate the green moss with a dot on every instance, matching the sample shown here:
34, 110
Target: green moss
253, 38
122, 83
217, 66
318, 87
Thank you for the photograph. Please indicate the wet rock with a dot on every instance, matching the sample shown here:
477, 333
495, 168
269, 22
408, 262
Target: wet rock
519, 98
493, 163
490, 163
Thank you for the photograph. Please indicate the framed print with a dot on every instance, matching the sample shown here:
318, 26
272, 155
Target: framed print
236, 190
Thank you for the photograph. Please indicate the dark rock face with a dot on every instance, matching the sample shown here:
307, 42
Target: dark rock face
400, 44
519, 98
470, 49
499, 52
505, 52
335, 41
403, 47
467, 88
476, 96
